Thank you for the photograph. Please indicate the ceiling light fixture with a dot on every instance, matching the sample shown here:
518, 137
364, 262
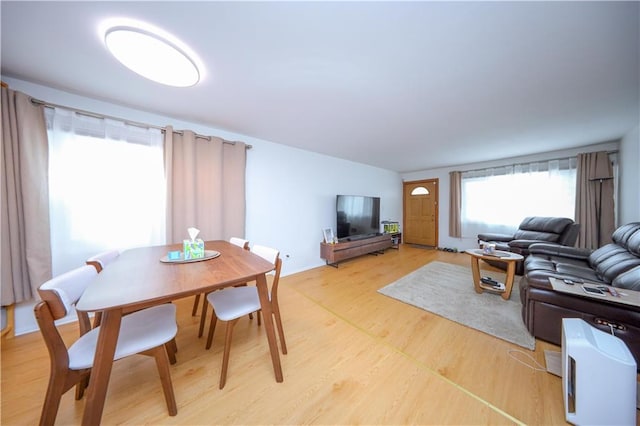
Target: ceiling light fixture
152, 54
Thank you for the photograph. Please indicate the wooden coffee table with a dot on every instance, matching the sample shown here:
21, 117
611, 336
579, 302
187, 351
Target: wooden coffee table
501, 256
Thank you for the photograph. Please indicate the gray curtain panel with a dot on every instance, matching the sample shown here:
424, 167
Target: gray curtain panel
593, 174
26, 246
455, 204
205, 186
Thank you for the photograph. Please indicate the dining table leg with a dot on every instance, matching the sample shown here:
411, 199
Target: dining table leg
265, 304
102, 363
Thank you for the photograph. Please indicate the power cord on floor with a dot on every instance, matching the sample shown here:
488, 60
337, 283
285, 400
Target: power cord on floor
536, 365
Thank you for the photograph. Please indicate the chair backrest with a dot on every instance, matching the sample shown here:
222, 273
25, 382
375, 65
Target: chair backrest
100, 260
267, 253
63, 291
59, 295
271, 255
239, 242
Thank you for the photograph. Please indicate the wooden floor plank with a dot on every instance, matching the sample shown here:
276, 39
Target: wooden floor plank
355, 357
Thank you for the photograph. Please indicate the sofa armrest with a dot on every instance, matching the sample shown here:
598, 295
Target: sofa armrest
495, 237
552, 249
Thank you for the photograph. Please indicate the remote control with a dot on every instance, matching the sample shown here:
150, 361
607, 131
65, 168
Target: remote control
489, 281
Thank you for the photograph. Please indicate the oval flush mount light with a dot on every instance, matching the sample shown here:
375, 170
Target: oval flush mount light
152, 55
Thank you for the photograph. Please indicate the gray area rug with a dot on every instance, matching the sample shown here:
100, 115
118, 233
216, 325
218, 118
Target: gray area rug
447, 290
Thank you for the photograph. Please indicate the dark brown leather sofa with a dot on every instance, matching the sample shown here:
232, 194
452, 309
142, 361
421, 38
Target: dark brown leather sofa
534, 229
616, 264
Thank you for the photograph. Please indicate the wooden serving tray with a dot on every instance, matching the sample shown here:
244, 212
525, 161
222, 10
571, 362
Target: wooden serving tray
208, 254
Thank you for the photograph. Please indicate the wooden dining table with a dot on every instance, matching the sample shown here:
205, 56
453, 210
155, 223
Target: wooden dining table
138, 279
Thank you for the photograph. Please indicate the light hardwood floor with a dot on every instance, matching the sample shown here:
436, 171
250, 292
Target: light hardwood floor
355, 357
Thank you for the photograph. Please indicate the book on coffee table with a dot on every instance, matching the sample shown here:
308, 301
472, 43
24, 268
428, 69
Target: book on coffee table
492, 285
497, 254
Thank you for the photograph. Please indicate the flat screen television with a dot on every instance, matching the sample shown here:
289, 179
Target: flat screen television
357, 216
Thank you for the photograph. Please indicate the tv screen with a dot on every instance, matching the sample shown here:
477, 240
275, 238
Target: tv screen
357, 216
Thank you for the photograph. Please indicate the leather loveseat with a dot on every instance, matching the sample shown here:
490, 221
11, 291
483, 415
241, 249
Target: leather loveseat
616, 264
534, 229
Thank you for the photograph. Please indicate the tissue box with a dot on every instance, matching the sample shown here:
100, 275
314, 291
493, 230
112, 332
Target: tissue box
193, 249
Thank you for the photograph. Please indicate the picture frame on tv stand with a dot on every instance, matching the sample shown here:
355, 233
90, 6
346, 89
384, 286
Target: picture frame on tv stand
328, 235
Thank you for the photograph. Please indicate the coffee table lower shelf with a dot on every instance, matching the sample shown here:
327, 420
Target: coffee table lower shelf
509, 258
492, 289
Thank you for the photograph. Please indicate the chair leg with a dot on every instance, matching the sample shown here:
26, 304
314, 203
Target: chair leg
174, 345
212, 328
205, 305
162, 361
276, 314
59, 383
227, 349
259, 315
97, 319
171, 349
194, 310
81, 386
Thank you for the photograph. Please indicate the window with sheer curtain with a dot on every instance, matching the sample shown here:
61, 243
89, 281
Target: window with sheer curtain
106, 186
497, 199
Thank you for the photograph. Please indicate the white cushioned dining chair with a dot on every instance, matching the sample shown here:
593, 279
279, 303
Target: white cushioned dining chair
100, 261
143, 332
230, 304
236, 242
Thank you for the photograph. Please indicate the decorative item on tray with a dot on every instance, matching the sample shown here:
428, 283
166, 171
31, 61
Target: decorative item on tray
193, 251
489, 248
193, 248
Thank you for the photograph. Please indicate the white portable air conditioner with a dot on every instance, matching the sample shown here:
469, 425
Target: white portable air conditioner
598, 376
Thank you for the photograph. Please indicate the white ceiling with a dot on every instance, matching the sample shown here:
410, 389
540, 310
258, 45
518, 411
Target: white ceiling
400, 85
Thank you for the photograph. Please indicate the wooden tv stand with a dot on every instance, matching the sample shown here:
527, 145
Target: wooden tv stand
334, 253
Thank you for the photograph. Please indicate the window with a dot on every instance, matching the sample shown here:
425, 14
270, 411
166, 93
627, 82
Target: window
420, 190
497, 199
106, 186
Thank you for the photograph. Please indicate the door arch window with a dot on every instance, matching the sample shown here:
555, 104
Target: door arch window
420, 190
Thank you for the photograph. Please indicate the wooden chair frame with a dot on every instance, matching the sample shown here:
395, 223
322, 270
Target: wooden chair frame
61, 377
98, 262
275, 309
203, 317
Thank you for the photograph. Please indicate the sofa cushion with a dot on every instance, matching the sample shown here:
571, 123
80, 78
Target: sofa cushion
538, 271
624, 233
629, 279
633, 243
542, 228
616, 258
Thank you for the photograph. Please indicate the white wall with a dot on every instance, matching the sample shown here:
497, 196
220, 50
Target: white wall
443, 175
629, 209
294, 194
290, 192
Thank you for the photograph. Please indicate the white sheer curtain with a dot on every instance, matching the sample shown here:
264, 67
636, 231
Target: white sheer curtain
106, 186
497, 199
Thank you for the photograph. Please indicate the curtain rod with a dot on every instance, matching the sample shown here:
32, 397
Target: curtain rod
129, 122
615, 151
